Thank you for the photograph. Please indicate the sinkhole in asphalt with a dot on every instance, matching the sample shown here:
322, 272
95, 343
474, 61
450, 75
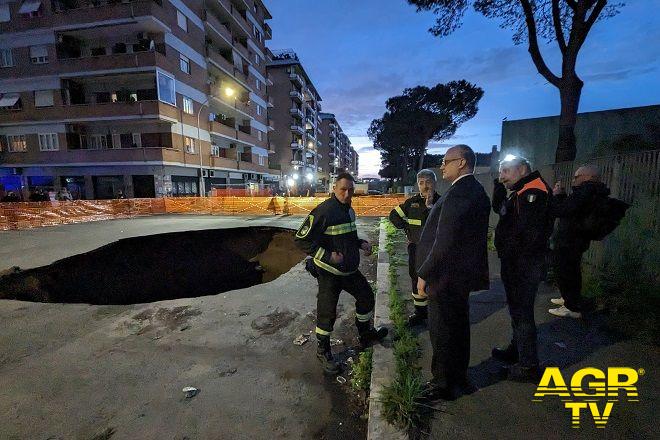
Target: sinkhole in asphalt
160, 267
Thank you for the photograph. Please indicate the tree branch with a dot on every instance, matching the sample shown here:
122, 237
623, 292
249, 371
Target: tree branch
594, 15
534, 50
572, 4
559, 30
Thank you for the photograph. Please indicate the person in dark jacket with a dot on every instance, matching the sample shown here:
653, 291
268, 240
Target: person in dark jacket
521, 240
329, 235
452, 261
569, 240
411, 216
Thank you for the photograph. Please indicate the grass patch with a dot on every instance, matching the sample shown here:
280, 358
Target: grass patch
361, 373
400, 398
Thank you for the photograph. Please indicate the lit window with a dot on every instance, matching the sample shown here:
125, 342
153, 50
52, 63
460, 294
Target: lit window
43, 98
39, 54
189, 144
166, 90
187, 105
16, 143
184, 64
6, 58
181, 20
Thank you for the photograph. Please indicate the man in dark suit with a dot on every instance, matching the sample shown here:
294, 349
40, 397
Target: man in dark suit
452, 262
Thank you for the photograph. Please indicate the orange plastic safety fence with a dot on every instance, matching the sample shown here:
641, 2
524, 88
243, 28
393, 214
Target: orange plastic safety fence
26, 215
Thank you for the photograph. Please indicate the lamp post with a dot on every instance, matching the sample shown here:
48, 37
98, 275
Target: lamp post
202, 189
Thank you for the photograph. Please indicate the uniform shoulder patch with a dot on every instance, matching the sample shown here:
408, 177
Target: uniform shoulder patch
414, 205
306, 226
531, 198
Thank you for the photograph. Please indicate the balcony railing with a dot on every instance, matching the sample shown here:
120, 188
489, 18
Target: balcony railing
295, 111
297, 145
297, 129
294, 77
296, 95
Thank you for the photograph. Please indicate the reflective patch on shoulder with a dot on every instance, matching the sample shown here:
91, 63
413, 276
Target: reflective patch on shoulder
414, 205
306, 227
531, 198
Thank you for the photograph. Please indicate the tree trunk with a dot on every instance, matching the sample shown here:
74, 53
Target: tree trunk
569, 94
421, 156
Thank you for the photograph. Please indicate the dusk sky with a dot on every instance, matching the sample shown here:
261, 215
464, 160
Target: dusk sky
360, 52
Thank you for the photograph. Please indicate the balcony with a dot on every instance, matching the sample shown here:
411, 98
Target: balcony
296, 96
297, 129
295, 78
271, 101
269, 79
271, 124
87, 112
218, 31
297, 145
111, 62
295, 111
83, 11
268, 31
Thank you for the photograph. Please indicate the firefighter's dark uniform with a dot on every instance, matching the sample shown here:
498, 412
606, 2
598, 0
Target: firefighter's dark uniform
411, 216
521, 239
330, 227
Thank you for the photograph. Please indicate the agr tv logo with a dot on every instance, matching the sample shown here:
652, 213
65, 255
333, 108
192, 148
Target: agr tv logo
598, 396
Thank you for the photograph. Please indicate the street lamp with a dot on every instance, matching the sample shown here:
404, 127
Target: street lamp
202, 190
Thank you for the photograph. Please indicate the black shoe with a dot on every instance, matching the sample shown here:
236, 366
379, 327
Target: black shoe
368, 337
521, 373
416, 319
508, 354
328, 362
433, 393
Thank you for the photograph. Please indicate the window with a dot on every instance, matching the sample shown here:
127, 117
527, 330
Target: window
188, 105
262, 161
31, 8
5, 15
260, 110
10, 101
6, 58
16, 143
215, 150
184, 64
258, 83
257, 59
189, 144
43, 98
260, 134
166, 90
181, 20
48, 142
97, 142
39, 54
137, 140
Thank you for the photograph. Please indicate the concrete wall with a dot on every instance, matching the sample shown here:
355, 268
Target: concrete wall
536, 139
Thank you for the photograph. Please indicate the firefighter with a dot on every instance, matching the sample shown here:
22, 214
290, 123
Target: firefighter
329, 236
521, 239
411, 216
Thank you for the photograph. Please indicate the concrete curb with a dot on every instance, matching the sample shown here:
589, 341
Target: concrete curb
383, 366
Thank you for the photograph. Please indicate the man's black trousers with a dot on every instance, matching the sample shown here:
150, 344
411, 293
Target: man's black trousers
419, 301
521, 276
449, 330
569, 277
330, 286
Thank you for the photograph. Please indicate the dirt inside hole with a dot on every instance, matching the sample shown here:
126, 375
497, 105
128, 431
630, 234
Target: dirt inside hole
160, 267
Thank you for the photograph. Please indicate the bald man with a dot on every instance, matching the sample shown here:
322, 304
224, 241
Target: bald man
569, 240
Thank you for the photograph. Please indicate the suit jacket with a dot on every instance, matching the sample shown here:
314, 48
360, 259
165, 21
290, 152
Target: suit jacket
453, 244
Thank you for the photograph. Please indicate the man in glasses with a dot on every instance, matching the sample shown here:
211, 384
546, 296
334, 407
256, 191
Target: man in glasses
521, 239
411, 216
452, 261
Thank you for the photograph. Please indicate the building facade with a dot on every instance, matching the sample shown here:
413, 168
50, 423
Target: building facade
151, 97
296, 141
338, 155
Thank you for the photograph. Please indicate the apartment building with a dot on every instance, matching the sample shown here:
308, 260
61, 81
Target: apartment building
296, 140
151, 97
338, 154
